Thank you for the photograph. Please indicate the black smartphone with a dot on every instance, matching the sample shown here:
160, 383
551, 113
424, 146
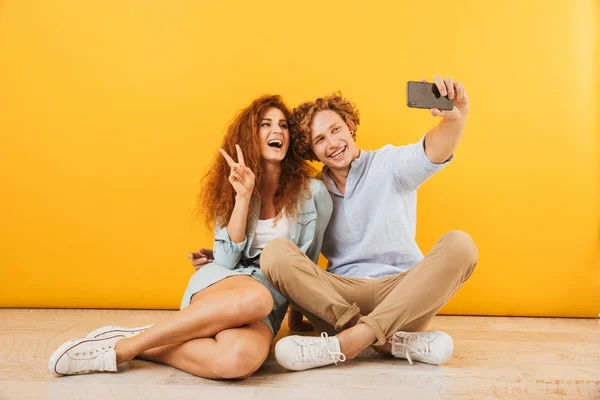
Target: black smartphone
426, 95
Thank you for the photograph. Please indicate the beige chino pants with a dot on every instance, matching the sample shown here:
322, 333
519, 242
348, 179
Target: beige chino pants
406, 301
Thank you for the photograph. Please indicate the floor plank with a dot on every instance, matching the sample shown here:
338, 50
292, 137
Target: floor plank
495, 358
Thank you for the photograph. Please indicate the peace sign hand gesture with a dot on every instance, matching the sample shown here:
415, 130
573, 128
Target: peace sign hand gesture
240, 177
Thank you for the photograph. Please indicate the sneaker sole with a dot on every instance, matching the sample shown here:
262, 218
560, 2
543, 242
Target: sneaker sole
62, 350
116, 330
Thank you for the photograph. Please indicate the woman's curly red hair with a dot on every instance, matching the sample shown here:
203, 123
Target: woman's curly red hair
217, 197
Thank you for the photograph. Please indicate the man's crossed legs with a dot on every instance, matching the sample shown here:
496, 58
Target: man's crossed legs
390, 313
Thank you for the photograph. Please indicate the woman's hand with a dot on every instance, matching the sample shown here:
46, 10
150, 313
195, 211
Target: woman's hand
240, 177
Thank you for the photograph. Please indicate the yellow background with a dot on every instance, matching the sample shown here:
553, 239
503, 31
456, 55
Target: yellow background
111, 111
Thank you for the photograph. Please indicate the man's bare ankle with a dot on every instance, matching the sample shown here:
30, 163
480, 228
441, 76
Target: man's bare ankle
354, 321
356, 339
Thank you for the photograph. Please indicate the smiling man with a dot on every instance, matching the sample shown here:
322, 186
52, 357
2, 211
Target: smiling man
378, 289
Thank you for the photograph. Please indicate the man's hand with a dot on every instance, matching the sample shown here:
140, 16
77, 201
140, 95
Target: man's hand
455, 92
201, 258
442, 140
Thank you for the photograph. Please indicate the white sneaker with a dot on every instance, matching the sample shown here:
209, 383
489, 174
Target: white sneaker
85, 355
300, 352
431, 347
112, 330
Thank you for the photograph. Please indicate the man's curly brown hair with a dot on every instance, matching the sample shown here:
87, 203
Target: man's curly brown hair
303, 115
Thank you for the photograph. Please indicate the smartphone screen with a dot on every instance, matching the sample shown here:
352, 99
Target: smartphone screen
426, 95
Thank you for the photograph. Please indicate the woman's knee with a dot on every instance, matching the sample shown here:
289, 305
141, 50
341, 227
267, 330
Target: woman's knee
240, 360
245, 295
240, 364
255, 301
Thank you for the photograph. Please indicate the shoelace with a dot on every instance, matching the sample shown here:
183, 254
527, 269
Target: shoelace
401, 344
309, 351
93, 359
88, 361
90, 354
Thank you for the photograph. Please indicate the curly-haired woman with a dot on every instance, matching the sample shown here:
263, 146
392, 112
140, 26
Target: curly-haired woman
229, 312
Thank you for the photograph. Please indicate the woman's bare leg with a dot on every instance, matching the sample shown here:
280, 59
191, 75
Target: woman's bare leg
229, 303
233, 353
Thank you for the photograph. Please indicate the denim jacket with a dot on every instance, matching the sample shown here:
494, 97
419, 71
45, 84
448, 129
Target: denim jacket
306, 229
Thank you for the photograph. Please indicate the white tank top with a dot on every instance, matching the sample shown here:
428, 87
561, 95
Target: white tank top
265, 231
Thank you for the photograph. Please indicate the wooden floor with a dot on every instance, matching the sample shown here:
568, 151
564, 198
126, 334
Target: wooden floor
509, 358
